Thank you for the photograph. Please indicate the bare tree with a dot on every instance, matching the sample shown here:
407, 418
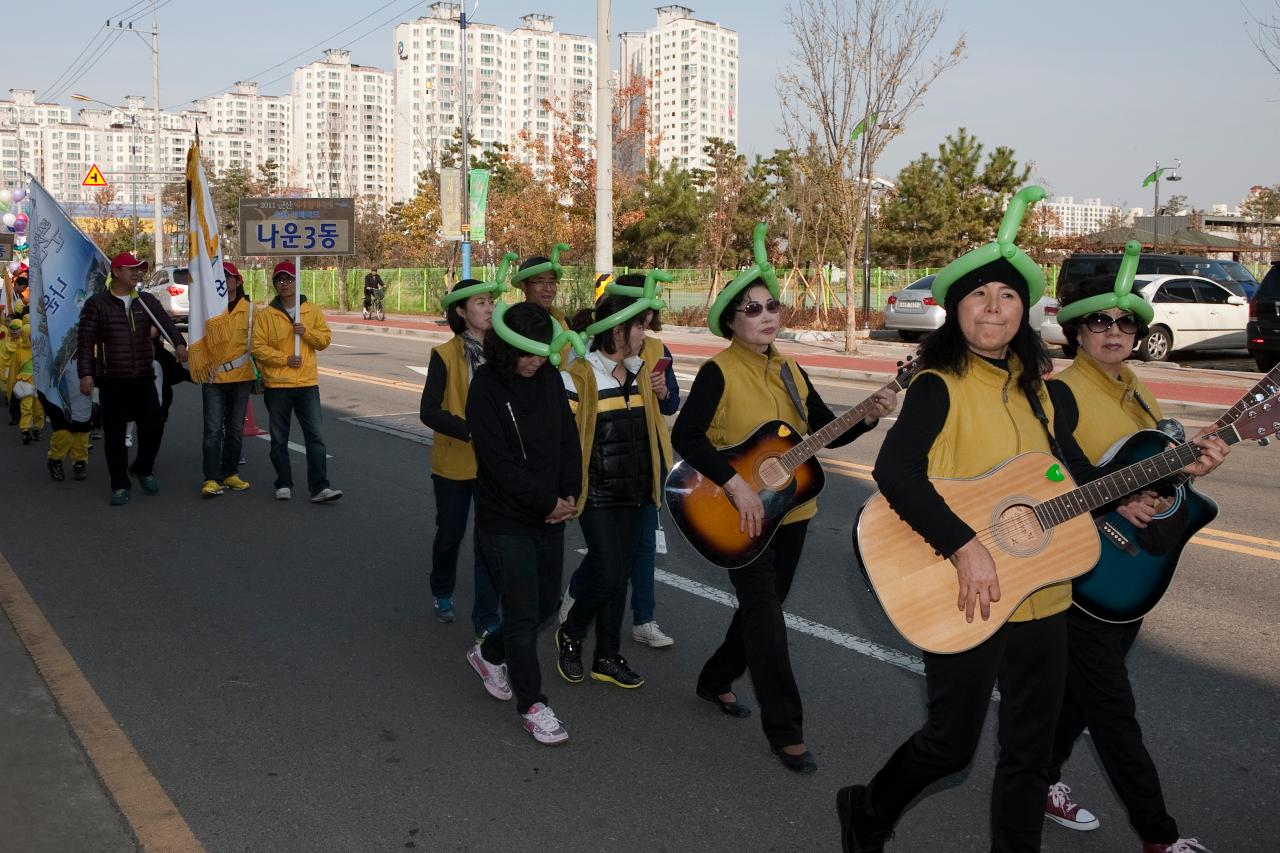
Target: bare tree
1264, 32
856, 60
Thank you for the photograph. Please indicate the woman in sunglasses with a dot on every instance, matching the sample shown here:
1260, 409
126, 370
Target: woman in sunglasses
1100, 336
744, 385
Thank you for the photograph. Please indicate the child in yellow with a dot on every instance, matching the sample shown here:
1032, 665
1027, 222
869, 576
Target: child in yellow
31, 421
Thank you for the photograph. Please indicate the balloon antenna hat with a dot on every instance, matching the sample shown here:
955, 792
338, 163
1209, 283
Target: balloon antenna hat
485, 287
646, 299
552, 266
1003, 247
549, 350
1121, 296
762, 271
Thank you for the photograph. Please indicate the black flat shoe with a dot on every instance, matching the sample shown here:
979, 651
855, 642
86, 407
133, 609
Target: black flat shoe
733, 709
804, 763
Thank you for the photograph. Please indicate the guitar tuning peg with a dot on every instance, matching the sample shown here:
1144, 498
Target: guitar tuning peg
1263, 442
899, 364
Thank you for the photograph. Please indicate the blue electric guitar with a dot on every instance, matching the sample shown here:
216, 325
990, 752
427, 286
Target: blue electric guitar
1137, 566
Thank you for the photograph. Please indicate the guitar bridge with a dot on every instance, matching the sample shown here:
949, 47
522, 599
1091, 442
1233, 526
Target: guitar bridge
1113, 535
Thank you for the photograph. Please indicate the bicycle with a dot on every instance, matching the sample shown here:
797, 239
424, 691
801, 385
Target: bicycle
374, 309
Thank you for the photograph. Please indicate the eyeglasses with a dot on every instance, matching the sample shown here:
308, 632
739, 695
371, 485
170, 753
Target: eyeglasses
1099, 323
753, 309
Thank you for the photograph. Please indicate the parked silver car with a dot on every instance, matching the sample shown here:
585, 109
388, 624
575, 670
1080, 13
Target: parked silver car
169, 285
913, 312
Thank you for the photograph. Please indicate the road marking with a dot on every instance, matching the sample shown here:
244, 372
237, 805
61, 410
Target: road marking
295, 447
1241, 537
1199, 539
344, 346
397, 384
154, 819
417, 369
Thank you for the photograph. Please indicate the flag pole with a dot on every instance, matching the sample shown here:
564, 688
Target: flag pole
297, 304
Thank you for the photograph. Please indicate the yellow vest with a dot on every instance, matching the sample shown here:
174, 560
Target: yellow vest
451, 458
1109, 408
989, 420
586, 408
651, 353
238, 345
754, 393
273, 344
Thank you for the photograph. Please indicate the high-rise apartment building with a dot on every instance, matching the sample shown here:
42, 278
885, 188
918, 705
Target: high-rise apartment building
691, 67
342, 129
1071, 220
244, 128
21, 138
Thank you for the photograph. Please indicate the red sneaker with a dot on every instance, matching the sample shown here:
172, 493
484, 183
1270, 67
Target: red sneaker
1182, 845
1059, 809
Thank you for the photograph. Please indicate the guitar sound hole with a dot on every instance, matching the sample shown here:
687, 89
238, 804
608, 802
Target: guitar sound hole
1018, 531
773, 474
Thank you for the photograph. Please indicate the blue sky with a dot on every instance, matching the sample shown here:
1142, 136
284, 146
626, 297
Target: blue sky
1090, 92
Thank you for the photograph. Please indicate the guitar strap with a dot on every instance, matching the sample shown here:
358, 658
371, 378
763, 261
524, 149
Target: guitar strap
1146, 408
1038, 410
793, 392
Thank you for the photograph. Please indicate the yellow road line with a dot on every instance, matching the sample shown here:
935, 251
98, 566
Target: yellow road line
155, 820
1241, 537
370, 380
1231, 546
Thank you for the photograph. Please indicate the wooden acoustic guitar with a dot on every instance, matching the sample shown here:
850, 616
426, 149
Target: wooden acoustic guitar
778, 464
1035, 524
1135, 570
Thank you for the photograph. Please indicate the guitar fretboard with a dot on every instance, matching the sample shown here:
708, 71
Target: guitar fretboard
1266, 387
817, 440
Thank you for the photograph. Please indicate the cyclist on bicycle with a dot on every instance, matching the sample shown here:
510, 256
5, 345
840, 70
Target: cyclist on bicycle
372, 284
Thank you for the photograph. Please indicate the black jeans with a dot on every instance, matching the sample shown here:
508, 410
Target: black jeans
453, 505
123, 400
757, 638
527, 571
224, 405
282, 404
613, 536
1099, 696
1029, 662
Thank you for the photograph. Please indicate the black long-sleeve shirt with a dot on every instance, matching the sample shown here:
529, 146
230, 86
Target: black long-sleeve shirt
527, 450
901, 469
431, 409
689, 435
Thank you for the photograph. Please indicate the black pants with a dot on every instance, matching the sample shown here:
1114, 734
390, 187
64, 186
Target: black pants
527, 572
1029, 661
1099, 696
453, 505
123, 400
757, 638
613, 536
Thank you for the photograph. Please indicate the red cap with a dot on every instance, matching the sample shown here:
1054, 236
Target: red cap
284, 268
126, 260
230, 269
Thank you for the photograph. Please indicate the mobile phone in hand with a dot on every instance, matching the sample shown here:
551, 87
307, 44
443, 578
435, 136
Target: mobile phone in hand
661, 366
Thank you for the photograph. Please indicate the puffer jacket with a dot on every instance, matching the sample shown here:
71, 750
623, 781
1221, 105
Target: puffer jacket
116, 344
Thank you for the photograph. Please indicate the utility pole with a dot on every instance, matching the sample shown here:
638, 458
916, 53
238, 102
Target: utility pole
466, 155
155, 96
604, 141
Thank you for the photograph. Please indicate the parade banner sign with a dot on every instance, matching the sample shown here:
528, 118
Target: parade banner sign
292, 227
209, 325
478, 200
66, 269
450, 204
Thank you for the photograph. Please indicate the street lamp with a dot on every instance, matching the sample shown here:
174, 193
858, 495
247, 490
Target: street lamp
1154, 178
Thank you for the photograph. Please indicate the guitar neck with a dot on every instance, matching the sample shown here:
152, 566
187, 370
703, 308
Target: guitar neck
1266, 387
1126, 481
819, 439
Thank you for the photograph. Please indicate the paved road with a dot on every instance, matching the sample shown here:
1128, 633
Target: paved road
277, 667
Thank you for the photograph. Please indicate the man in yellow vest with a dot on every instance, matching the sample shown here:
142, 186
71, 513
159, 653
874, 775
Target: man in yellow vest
227, 395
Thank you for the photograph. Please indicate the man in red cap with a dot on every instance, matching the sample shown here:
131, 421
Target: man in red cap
227, 395
115, 354
292, 386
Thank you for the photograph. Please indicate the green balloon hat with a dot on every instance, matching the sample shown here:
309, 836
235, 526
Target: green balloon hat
646, 299
462, 294
761, 271
559, 336
1003, 247
1122, 296
552, 266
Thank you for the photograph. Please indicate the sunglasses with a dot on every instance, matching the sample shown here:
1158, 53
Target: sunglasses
754, 309
1099, 323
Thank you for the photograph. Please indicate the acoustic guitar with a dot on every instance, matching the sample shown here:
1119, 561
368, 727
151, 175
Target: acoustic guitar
1034, 522
1135, 570
778, 464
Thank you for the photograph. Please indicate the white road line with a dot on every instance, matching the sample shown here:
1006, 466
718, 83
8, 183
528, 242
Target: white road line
344, 346
416, 369
295, 447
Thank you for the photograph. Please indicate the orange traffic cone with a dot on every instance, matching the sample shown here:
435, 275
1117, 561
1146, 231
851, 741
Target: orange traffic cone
250, 428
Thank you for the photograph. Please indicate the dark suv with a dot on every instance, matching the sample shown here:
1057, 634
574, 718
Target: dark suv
1263, 329
1082, 265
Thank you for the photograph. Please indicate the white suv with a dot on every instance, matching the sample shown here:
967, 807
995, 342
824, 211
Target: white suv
169, 285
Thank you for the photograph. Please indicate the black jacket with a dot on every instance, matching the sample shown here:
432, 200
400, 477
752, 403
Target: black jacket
527, 450
620, 471
115, 343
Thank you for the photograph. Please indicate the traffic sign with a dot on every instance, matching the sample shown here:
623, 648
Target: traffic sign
95, 178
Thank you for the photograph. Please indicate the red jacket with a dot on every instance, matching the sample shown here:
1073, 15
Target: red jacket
114, 344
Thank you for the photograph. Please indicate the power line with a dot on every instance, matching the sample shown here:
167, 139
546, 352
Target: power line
86, 66
104, 31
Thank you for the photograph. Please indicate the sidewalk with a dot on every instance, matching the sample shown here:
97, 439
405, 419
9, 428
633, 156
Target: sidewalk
1184, 392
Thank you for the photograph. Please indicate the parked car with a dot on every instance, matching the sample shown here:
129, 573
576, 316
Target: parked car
913, 312
1050, 331
1240, 275
1085, 264
1191, 313
169, 285
1263, 331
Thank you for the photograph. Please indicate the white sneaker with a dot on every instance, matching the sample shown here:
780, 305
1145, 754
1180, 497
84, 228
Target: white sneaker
284, 493
541, 722
324, 496
649, 634
494, 676
566, 604
1059, 808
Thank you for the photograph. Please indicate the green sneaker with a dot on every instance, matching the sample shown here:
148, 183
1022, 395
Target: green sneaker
120, 497
150, 485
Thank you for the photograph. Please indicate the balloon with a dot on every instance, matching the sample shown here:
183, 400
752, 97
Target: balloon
14, 266
552, 265
3, 206
20, 227
6, 196
21, 247
19, 194
641, 292
646, 300
559, 337
9, 219
491, 287
761, 270
1002, 248
1122, 296
21, 218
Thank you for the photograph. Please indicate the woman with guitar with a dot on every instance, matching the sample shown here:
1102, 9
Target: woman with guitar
1102, 321
979, 402
746, 383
